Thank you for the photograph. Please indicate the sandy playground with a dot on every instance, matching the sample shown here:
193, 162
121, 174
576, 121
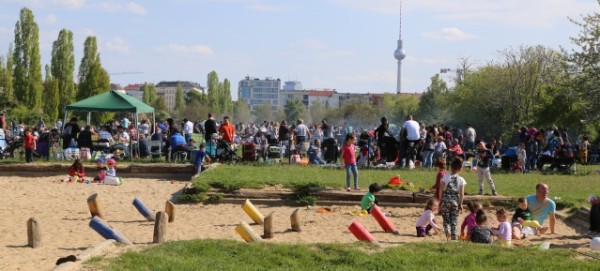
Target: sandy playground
63, 214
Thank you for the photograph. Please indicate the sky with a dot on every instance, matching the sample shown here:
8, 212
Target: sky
345, 45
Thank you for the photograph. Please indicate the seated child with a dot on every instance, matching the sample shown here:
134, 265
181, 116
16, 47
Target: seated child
295, 158
76, 172
112, 171
368, 200
426, 221
504, 230
102, 169
481, 233
522, 218
470, 220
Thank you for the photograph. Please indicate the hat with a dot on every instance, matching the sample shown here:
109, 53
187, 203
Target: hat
111, 161
100, 160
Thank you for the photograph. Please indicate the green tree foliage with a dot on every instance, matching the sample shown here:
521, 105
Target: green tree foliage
149, 93
196, 96
225, 97
160, 104
212, 83
262, 112
241, 112
179, 98
317, 111
93, 78
51, 97
396, 107
293, 109
63, 67
584, 66
7, 97
27, 73
431, 105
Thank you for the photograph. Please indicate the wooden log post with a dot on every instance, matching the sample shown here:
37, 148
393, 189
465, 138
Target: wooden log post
268, 226
94, 206
160, 227
34, 233
170, 210
295, 221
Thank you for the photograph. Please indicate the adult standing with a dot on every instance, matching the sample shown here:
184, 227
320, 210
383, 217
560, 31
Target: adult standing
326, 128
386, 141
594, 217
227, 130
188, 130
484, 163
301, 131
125, 122
70, 133
210, 129
541, 207
470, 138
411, 136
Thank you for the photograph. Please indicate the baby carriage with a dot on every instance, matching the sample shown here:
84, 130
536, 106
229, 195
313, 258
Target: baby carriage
10, 145
225, 152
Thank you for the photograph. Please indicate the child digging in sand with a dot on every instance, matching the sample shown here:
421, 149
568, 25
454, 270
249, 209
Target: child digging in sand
102, 169
481, 233
426, 221
504, 230
470, 220
76, 172
368, 200
522, 218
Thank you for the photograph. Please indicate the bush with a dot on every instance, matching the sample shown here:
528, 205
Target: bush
306, 200
215, 198
191, 198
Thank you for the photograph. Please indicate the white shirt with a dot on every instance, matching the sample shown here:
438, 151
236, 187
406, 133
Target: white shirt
459, 180
426, 219
301, 130
412, 130
188, 128
471, 134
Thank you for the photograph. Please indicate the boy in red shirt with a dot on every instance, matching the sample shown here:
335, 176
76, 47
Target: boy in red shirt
227, 130
29, 145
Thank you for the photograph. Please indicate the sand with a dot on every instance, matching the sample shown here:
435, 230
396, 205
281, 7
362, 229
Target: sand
62, 212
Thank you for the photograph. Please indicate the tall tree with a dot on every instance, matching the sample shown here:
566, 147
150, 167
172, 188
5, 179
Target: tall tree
93, 78
293, 110
63, 67
179, 99
212, 83
225, 97
262, 112
51, 96
149, 95
27, 67
241, 112
431, 108
6, 80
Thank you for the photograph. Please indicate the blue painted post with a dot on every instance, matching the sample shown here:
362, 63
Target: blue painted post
107, 232
139, 205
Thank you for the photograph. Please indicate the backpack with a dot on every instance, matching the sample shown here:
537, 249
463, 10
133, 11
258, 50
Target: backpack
67, 131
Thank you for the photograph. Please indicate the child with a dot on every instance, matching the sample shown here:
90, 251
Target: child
76, 172
426, 221
484, 162
102, 169
522, 218
470, 221
349, 156
368, 200
481, 233
295, 158
29, 145
504, 230
200, 158
521, 157
453, 192
112, 171
437, 187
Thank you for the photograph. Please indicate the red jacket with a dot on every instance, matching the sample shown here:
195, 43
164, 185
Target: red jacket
29, 141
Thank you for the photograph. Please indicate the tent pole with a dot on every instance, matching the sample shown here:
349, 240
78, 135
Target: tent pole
137, 133
89, 117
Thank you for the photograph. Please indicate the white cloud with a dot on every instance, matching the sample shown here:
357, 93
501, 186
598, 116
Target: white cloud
50, 19
198, 49
450, 34
114, 7
262, 7
544, 13
117, 44
72, 4
312, 44
383, 76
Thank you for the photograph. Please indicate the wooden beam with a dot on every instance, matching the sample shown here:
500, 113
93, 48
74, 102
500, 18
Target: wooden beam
34, 233
160, 228
268, 226
295, 221
94, 206
170, 210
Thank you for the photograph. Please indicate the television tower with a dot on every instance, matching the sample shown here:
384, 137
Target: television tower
399, 54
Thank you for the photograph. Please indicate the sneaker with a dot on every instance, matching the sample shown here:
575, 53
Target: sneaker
356, 188
480, 192
348, 189
494, 193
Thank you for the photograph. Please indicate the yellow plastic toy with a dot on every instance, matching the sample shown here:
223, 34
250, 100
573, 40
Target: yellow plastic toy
254, 213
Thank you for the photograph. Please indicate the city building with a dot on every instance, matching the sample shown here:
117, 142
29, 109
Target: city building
168, 90
325, 97
292, 85
135, 90
255, 91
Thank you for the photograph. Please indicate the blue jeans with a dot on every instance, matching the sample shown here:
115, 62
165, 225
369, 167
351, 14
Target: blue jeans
427, 158
198, 169
187, 138
354, 170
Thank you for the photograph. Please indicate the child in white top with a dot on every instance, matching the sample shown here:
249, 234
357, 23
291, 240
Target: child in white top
112, 171
504, 229
426, 221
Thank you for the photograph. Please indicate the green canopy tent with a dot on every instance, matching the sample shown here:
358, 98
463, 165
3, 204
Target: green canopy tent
112, 101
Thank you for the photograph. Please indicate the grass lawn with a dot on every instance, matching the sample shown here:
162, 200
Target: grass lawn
569, 190
232, 255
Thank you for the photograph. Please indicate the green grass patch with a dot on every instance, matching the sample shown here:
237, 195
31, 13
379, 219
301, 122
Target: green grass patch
567, 190
232, 255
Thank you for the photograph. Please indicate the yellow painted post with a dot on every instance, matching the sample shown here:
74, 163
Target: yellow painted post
254, 213
246, 232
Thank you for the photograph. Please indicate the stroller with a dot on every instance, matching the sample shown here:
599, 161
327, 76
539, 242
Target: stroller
225, 152
562, 160
8, 145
